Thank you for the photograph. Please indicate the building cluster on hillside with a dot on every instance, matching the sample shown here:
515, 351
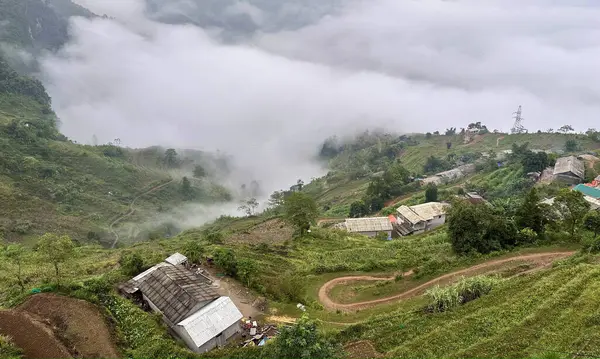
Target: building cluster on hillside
571, 170
188, 303
406, 221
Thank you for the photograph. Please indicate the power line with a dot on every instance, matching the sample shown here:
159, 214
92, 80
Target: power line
518, 124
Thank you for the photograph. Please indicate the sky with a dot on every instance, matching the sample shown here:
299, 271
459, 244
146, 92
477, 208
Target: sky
271, 98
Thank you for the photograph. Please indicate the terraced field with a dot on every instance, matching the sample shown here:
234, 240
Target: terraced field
552, 313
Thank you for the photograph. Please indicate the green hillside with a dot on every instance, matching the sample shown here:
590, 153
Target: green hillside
552, 314
48, 183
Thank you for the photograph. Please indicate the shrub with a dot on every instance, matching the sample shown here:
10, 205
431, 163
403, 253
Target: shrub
8, 349
465, 290
131, 263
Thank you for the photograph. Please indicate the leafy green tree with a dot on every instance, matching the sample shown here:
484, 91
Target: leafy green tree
451, 131
246, 270
530, 214
592, 222
226, 259
194, 251
249, 207
199, 172
56, 250
186, 189
476, 228
301, 340
434, 164
571, 145
573, 207
431, 193
534, 162
131, 263
428, 135
300, 210
170, 159
15, 255
277, 198
358, 209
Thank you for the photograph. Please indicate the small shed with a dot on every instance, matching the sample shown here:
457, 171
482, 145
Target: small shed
569, 169
369, 226
176, 259
211, 326
420, 218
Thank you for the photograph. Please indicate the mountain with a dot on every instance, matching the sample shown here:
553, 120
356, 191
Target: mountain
49, 183
237, 19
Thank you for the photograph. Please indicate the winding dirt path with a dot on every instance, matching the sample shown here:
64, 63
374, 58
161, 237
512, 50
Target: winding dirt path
498, 141
542, 259
111, 228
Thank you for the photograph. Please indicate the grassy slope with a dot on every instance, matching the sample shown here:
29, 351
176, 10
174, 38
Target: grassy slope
86, 190
549, 313
335, 195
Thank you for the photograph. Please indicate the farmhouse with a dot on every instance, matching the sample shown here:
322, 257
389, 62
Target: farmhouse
420, 218
370, 227
569, 169
187, 302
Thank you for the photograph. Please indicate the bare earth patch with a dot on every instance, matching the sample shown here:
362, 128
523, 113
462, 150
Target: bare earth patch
363, 349
63, 327
31, 335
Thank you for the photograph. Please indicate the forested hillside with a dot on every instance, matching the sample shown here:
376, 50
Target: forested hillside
48, 183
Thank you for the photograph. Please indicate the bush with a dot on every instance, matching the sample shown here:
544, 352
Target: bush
465, 290
131, 263
8, 349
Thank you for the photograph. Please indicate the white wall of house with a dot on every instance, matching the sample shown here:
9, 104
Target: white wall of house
436, 222
217, 341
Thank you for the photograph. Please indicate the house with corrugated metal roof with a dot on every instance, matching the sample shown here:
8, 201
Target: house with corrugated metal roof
420, 218
370, 227
569, 169
188, 303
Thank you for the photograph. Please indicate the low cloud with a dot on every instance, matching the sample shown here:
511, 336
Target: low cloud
398, 65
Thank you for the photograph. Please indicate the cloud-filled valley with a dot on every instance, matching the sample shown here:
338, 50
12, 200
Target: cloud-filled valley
271, 98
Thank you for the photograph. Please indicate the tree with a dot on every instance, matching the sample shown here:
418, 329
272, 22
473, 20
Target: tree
186, 189
199, 171
15, 255
431, 193
358, 209
301, 340
300, 210
194, 251
249, 206
451, 131
170, 159
56, 250
226, 259
573, 207
434, 164
530, 214
534, 162
277, 198
131, 263
246, 270
476, 228
592, 222
566, 128
428, 135
571, 145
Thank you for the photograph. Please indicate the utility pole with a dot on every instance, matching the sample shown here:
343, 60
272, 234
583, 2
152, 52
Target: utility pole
518, 125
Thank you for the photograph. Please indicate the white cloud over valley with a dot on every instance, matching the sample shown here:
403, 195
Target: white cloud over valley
269, 101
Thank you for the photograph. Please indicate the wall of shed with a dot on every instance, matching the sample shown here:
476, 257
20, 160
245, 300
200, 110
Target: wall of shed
217, 341
568, 178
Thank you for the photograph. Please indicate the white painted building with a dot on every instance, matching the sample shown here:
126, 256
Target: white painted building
420, 218
369, 227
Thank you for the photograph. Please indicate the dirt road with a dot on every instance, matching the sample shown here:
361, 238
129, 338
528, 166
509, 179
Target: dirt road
132, 210
540, 259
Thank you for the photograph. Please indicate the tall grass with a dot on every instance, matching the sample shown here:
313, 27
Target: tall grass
463, 291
